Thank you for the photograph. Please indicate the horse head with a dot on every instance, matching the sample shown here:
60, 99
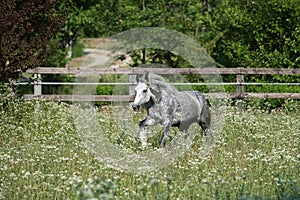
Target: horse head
143, 93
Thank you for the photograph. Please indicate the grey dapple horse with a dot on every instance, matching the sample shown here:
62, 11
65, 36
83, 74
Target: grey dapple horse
169, 107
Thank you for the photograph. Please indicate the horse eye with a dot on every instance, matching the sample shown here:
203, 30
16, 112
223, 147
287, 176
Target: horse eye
144, 91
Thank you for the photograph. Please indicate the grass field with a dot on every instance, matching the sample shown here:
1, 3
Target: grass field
257, 156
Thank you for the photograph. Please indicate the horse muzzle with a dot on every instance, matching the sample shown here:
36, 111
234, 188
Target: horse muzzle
136, 107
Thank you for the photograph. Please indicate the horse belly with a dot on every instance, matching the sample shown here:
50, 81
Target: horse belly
190, 109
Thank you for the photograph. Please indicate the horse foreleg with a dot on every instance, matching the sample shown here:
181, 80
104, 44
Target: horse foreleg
142, 130
167, 127
143, 137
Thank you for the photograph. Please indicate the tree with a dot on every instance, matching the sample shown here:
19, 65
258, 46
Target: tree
258, 33
27, 28
80, 16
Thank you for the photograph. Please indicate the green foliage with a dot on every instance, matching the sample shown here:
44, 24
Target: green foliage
236, 33
259, 34
106, 18
77, 50
106, 89
98, 188
58, 89
78, 16
157, 56
57, 58
5, 95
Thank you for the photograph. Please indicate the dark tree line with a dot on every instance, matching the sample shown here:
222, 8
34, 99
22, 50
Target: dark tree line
27, 31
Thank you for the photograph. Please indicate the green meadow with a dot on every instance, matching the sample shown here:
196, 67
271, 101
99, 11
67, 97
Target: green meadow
257, 156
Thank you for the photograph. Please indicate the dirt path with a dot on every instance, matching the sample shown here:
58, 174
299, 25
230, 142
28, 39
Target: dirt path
94, 57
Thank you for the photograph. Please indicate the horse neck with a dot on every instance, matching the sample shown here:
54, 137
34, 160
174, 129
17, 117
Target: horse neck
160, 95
150, 103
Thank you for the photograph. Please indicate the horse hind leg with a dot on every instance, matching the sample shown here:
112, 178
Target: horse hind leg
204, 122
207, 133
184, 131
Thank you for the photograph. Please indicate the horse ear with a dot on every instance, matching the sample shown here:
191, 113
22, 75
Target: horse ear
144, 78
137, 78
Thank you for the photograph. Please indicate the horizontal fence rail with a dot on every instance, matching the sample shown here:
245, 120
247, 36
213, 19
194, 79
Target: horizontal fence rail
243, 71
239, 72
122, 83
232, 95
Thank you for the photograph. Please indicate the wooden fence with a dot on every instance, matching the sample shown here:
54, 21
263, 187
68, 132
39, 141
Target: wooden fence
239, 72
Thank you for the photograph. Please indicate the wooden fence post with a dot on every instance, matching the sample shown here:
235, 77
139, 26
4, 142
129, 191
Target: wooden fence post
37, 88
132, 81
240, 84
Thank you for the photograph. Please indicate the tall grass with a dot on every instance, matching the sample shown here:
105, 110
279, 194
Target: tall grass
42, 157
